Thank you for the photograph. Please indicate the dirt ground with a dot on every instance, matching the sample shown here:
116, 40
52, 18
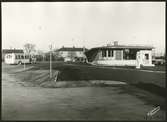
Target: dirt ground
123, 102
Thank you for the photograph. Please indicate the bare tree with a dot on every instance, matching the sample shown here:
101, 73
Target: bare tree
29, 48
57, 54
40, 55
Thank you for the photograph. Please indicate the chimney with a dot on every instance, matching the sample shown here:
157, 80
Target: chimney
115, 43
83, 48
109, 44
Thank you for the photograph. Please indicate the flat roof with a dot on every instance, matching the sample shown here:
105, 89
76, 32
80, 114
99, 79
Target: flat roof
124, 47
71, 49
12, 51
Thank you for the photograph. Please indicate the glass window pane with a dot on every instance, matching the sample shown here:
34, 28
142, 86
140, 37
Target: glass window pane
109, 53
103, 53
146, 56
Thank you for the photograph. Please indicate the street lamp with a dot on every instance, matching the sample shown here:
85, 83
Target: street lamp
50, 46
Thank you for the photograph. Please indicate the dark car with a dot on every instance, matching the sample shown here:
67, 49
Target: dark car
159, 60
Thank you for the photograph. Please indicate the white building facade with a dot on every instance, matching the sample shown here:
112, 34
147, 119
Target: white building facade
72, 53
121, 55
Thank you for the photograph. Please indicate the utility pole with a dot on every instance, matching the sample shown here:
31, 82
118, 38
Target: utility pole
24, 61
43, 57
50, 46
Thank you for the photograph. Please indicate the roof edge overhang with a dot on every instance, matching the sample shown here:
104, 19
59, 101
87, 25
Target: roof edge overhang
124, 47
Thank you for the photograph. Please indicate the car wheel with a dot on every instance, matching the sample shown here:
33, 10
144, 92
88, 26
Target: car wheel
19, 63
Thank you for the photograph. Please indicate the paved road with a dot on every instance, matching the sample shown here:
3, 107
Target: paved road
84, 103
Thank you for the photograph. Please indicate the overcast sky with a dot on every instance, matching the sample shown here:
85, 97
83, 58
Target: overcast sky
83, 23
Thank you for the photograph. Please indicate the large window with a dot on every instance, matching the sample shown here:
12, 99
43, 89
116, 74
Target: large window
110, 53
129, 54
118, 54
9, 56
104, 54
17, 56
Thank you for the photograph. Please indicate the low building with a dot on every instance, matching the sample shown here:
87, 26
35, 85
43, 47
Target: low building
120, 55
72, 53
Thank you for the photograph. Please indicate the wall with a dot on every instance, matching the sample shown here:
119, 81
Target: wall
143, 61
67, 53
121, 62
116, 62
80, 54
63, 53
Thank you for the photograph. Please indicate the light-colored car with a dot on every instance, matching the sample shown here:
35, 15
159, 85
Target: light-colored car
33, 60
67, 59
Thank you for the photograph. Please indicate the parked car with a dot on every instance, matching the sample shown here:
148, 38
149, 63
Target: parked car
33, 60
67, 59
158, 60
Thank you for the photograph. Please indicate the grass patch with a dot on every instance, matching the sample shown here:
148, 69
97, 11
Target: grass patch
156, 97
152, 88
155, 68
35, 77
38, 74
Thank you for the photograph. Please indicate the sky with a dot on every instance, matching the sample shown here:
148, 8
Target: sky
79, 24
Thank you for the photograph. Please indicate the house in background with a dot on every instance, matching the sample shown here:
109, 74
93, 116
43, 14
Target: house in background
8, 51
120, 55
72, 54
